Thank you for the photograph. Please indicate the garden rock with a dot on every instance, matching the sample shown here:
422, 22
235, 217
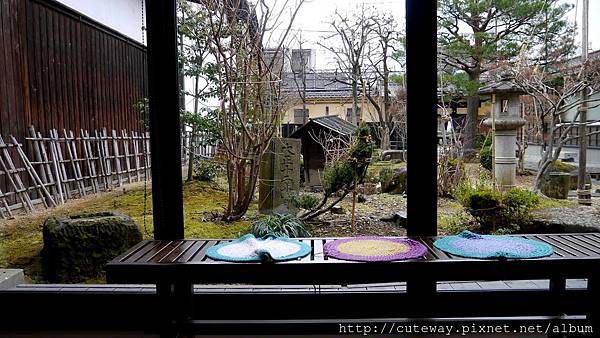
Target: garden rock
79, 246
337, 210
575, 179
394, 183
565, 219
367, 189
557, 185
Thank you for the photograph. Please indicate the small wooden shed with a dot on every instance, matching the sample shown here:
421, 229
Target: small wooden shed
312, 135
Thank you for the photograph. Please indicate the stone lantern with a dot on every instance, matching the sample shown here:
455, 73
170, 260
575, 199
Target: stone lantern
506, 112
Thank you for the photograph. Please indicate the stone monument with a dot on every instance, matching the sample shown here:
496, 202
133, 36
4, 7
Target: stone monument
279, 176
506, 121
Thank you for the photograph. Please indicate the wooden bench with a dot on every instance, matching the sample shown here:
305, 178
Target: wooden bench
176, 265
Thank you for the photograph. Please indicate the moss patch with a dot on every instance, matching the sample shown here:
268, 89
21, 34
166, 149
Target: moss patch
21, 238
547, 203
374, 168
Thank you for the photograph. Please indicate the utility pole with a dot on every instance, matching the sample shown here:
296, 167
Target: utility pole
584, 193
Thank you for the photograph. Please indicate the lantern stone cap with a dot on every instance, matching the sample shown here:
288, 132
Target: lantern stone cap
504, 85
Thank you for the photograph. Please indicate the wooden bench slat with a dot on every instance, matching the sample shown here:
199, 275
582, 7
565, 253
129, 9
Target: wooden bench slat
318, 250
581, 245
593, 239
153, 256
200, 254
140, 253
175, 247
432, 252
192, 251
558, 251
573, 250
132, 251
175, 254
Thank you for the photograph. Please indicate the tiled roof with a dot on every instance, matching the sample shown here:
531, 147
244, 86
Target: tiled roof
322, 84
331, 122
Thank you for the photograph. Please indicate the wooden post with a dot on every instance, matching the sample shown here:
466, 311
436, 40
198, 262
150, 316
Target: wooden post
126, 154
72, 159
163, 90
117, 157
89, 159
34, 176
6, 207
49, 169
56, 168
107, 157
421, 91
136, 153
13, 177
61, 164
101, 159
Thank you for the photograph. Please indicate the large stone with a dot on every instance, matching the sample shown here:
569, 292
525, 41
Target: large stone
394, 183
575, 179
78, 247
556, 185
279, 176
387, 155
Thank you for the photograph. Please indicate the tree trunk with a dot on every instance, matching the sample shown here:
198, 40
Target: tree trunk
190, 173
353, 118
384, 131
471, 126
243, 175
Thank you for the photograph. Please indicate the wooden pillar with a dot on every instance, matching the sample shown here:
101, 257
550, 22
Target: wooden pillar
421, 99
165, 133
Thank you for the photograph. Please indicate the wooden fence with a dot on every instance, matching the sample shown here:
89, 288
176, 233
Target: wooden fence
63, 166
201, 149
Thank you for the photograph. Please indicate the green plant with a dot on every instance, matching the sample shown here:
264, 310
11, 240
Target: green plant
344, 174
143, 108
495, 211
304, 201
455, 223
563, 167
385, 176
207, 171
279, 225
338, 175
485, 158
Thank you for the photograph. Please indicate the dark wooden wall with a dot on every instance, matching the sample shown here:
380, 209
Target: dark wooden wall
59, 69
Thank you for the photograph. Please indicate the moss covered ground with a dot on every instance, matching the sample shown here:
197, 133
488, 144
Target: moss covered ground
21, 238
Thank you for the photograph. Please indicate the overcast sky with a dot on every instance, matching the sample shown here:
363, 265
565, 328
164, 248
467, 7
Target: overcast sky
314, 14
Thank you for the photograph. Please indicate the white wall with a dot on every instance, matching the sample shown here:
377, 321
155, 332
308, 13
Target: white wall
124, 16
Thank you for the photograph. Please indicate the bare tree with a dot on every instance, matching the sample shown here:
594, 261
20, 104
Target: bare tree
249, 86
298, 71
376, 81
348, 46
335, 146
555, 92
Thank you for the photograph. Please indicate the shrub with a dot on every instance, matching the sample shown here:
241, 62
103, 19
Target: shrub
485, 158
206, 171
279, 225
304, 201
450, 173
482, 140
497, 212
338, 175
385, 176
